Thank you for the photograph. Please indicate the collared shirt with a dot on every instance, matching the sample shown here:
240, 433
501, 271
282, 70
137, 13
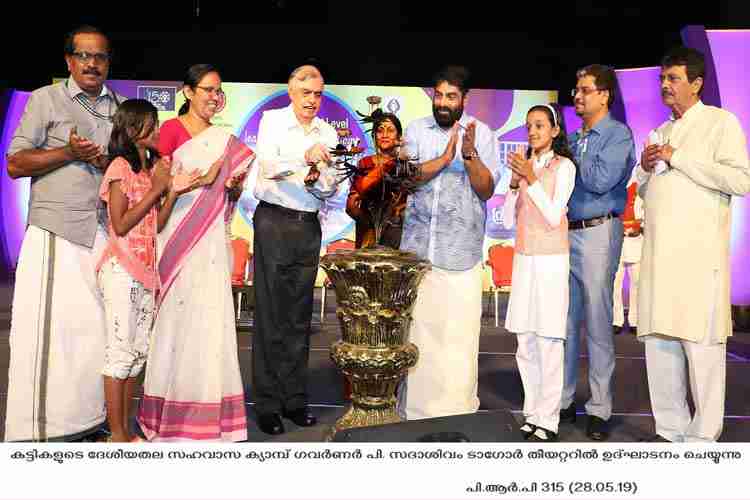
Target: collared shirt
282, 142
65, 200
445, 217
605, 158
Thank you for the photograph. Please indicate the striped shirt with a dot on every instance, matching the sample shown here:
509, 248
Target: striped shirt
445, 217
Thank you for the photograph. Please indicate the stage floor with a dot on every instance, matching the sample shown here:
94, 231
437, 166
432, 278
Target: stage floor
499, 382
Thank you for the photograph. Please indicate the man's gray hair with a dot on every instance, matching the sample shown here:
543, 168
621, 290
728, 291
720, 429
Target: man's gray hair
303, 73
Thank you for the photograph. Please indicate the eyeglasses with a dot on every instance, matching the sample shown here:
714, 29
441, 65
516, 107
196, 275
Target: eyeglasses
85, 57
211, 90
583, 90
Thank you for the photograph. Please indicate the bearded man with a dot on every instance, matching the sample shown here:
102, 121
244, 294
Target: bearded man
444, 223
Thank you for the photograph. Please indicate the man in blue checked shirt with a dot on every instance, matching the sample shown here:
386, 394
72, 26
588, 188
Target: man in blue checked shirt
444, 223
605, 157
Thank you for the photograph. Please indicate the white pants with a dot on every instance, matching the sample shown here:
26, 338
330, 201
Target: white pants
445, 328
129, 311
57, 338
667, 384
540, 363
634, 270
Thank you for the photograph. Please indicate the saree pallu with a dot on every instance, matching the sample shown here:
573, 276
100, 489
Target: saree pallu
193, 388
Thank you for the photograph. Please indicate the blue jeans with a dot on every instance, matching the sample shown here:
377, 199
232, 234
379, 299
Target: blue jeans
594, 257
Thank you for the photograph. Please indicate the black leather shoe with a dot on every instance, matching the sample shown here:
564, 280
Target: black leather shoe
542, 435
654, 438
568, 415
301, 417
527, 430
617, 330
270, 423
597, 428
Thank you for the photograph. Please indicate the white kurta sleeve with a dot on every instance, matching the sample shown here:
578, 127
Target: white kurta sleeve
729, 171
642, 178
554, 208
508, 217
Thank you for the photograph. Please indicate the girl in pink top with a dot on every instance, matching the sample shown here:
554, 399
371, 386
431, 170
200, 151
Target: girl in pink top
540, 187
136, 189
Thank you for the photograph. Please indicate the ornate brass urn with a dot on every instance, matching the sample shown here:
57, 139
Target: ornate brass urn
375, 293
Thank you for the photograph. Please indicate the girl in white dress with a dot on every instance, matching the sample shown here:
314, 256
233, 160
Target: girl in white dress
540, 187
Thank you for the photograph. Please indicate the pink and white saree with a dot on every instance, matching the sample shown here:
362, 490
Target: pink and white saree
193, 388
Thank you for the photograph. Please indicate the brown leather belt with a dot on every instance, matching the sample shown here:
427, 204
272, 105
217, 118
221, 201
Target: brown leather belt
594, 221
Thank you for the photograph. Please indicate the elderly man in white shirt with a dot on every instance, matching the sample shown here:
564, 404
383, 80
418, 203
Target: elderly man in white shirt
697, 160
295, 175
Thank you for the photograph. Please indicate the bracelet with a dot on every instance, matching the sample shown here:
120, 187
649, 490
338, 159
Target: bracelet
511, 186
470, 156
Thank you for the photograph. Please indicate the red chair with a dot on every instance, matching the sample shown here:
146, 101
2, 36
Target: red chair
242, 278
501, 262
342, 244
241, 251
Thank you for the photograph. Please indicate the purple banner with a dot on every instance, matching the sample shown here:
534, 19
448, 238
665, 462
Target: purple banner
730, 51
14, 193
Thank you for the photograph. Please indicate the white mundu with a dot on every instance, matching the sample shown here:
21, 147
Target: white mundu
445, 326
684, 284
57, 344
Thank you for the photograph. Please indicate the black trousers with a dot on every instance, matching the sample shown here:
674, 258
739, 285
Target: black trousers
286, 252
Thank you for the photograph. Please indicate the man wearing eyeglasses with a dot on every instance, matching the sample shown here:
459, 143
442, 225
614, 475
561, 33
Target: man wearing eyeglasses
605, 156
57, 327
295, 175
685, 315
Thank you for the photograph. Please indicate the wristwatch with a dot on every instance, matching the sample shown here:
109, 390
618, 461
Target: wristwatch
471, 156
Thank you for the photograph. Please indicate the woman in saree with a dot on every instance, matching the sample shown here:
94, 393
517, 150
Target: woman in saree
370, 194
193, 388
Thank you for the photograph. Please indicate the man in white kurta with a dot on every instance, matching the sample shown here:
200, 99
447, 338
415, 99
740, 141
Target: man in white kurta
687, 177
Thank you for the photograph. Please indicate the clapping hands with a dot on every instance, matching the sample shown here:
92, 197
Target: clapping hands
83, 149
522, 167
